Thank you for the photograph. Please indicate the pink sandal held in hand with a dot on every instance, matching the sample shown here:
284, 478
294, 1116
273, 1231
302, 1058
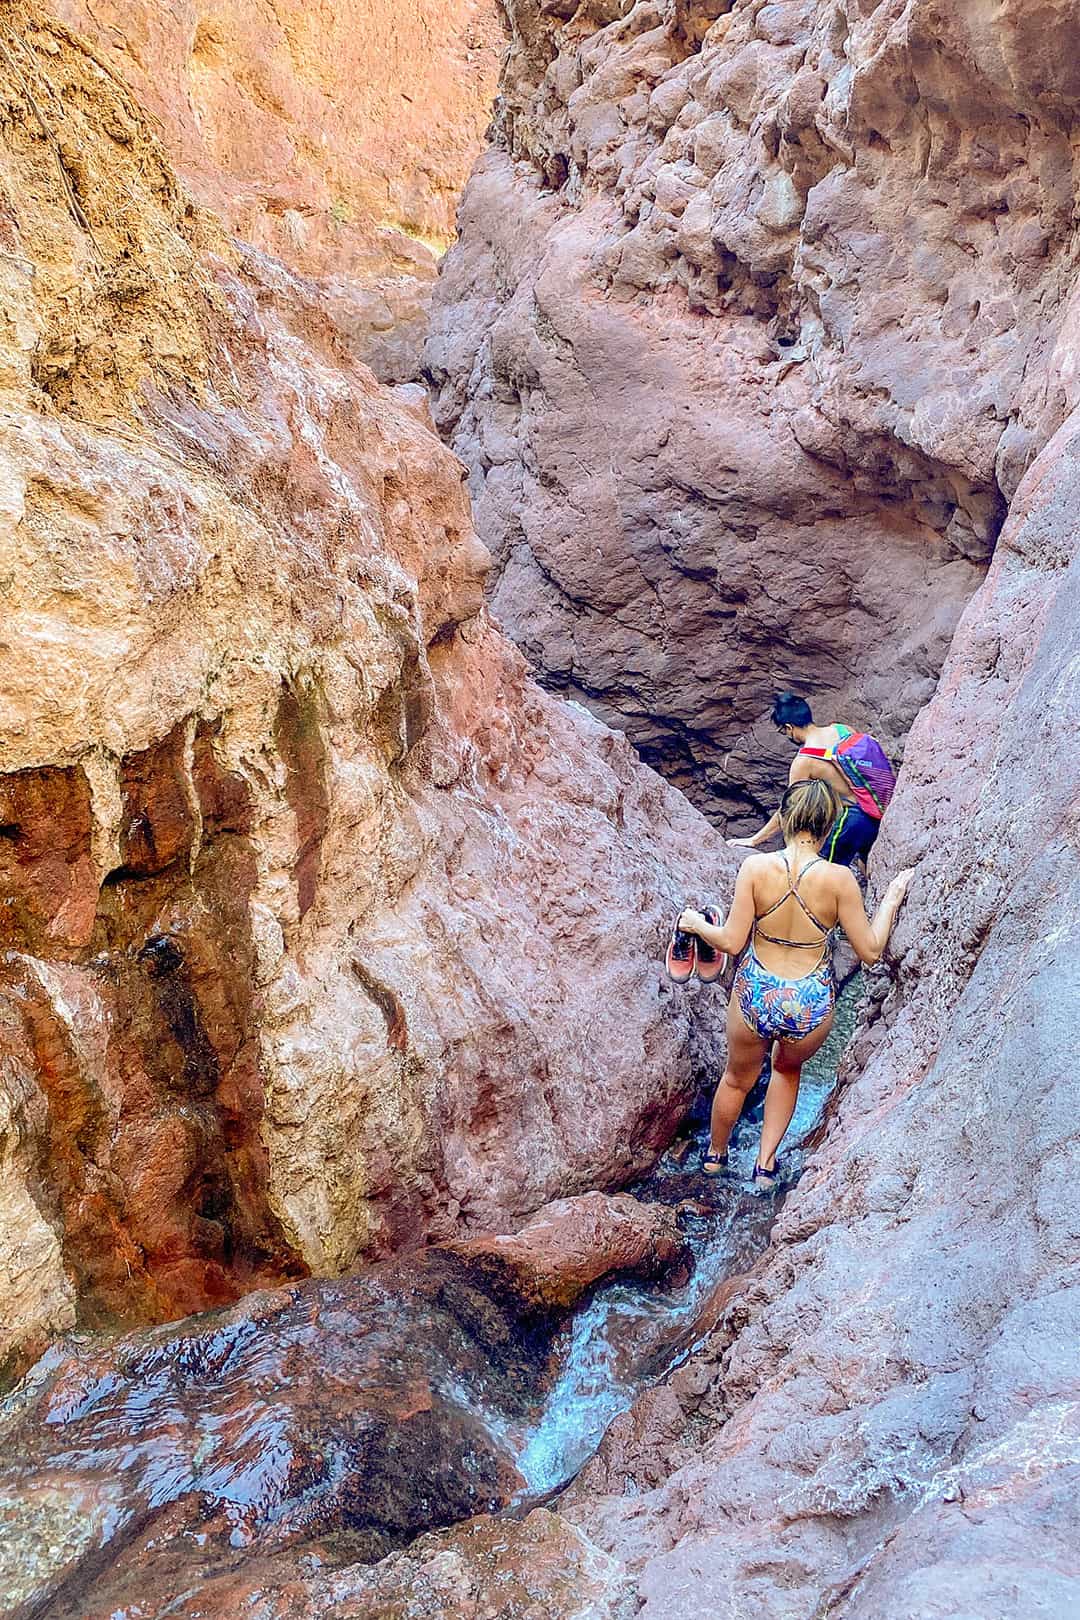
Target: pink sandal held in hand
710, 962
680, 963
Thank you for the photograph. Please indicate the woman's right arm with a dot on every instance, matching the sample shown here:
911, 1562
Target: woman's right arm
732, 935
869, 938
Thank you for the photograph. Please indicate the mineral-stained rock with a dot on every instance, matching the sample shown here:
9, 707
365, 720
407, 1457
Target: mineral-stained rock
336, 138
885, 1423
745, 343
325, 931
346, 1415
570, 1245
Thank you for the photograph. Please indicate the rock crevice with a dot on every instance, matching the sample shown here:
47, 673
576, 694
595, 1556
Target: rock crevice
280, 805
766, 331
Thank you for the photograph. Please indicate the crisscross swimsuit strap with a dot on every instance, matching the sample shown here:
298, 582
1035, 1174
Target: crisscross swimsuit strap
792, 892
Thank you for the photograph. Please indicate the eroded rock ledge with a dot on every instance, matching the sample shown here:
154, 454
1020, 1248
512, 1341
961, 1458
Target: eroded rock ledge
747, 340
325, 931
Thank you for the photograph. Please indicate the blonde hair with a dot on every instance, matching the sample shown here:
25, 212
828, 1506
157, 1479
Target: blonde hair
809, 807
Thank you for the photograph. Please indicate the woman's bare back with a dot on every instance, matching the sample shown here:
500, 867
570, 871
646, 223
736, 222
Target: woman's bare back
817, 887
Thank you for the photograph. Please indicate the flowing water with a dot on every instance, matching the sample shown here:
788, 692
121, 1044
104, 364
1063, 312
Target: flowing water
346, 1417
631, 1334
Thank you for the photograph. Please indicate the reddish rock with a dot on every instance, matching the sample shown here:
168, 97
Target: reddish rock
883, 1422
327, 931
158, 827
328, 1422
389, 970
543, 1568
744, 342
570, 1245
46, 871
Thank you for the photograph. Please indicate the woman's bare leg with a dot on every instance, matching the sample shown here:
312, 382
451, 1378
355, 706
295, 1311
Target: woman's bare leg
746, 1052
783, 1092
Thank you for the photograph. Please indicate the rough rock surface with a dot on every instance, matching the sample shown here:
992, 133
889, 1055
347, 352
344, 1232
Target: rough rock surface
335, 137
570, 1245
885, 1422
324, 929
744, 342
888, 1421
546, 1570
322, 1419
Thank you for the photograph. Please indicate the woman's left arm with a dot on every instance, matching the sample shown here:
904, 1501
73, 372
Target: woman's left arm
732, 935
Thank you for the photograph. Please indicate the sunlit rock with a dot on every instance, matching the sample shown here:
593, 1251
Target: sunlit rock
325, 930
311, 132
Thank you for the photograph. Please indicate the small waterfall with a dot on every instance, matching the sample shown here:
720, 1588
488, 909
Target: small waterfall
349, 1416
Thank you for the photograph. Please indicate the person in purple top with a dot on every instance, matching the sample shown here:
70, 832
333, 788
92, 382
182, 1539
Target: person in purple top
855, 766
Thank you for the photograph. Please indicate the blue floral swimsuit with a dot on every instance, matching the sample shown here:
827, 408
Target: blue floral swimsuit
786, 1009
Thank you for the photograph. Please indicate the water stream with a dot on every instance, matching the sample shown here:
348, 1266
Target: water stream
631, 1334
345, 1417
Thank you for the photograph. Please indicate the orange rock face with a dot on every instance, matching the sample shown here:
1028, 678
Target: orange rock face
325, 931
569, 1246
335, 137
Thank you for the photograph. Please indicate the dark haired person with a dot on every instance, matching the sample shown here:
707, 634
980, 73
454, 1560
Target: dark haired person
852, 762
784, 992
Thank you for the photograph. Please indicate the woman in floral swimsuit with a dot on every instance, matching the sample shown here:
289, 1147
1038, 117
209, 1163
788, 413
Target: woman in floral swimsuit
777, 1003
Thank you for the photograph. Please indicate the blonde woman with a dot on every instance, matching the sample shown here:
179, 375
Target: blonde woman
778, 1003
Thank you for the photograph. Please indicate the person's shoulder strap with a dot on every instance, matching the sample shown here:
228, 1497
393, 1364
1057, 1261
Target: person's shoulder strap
790, 890
798, 879
796, 886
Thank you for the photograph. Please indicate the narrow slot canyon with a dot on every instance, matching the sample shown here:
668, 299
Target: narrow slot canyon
432, 435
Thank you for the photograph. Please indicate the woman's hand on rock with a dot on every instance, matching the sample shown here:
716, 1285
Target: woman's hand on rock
901, 883
741, 843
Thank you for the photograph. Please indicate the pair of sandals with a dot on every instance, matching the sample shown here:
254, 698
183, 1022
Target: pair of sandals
689, 957
714, 1164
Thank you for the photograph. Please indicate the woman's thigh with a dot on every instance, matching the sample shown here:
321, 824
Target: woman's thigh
746, 1051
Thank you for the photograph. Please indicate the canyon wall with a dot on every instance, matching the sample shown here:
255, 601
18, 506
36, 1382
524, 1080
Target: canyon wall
887, 1421
335, 137
745, 342
884, 1420
324, 930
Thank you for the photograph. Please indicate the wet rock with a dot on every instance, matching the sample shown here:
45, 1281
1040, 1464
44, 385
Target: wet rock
326, 931
330, 1420
883, 1420
570, 1245
310, 136
745, 343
